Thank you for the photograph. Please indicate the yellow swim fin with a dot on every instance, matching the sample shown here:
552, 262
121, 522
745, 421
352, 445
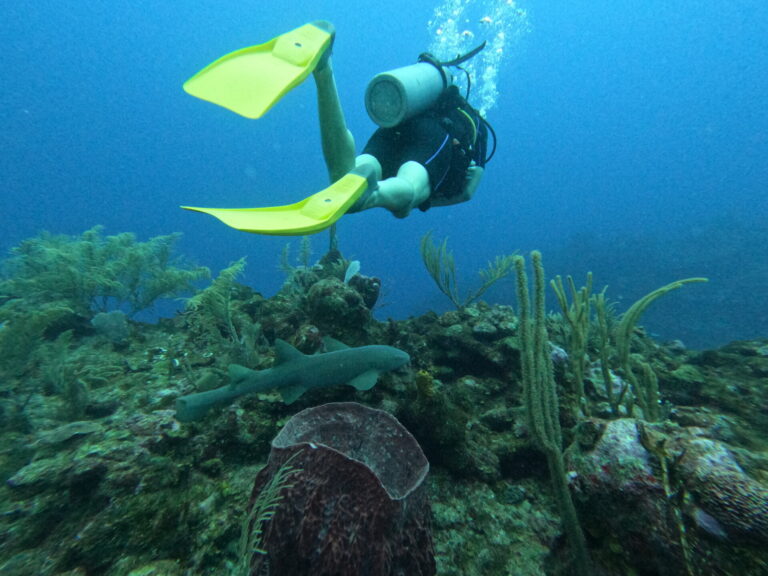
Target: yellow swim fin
251, 80
313, 214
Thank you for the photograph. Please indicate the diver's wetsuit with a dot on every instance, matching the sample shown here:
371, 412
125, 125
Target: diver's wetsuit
444, 139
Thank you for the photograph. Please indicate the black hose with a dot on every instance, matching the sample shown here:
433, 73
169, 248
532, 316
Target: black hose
461, 59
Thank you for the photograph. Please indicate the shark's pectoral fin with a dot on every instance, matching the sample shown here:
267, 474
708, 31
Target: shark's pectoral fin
291, 393
366, 380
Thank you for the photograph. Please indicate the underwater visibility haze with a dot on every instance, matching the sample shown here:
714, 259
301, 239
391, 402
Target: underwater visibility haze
632, 142
170, 387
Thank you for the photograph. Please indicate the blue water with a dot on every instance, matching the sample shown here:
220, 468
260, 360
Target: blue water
633, 142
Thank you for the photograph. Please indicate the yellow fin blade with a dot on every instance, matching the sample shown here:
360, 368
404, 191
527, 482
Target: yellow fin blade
251, 80
309, 216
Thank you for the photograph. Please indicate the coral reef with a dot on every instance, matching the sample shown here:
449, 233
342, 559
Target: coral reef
99, 478
54, 287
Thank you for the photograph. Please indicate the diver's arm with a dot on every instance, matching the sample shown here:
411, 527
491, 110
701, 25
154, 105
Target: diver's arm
338, 142
471, 182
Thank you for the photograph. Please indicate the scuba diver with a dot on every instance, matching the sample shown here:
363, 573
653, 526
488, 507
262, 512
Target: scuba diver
430, 148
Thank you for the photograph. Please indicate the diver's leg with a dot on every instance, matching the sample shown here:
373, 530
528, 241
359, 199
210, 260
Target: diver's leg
338, 142
399, 194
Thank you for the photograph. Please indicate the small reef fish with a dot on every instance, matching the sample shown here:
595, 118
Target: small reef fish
294, 373
352, 269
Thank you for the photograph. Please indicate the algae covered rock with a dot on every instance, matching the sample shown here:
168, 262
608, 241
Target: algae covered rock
734, 379
668, 499
336, 307
725, 492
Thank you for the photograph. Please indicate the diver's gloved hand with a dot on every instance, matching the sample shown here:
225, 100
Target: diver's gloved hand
471, 181
328, 27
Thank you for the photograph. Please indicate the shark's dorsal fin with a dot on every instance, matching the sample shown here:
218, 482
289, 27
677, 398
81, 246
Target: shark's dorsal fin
333, 345
366, 380
284, 352
289, 394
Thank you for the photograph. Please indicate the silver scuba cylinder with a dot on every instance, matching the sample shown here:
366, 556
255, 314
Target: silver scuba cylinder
398, 94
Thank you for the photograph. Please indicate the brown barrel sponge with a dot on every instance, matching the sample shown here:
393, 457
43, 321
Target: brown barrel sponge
356, 503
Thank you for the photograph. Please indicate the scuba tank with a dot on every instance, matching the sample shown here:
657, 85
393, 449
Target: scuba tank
402, 93
398, 94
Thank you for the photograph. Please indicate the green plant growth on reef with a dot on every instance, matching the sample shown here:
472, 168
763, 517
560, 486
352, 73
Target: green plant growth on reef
58, 376
304, 257
613, 340
51, 285
303, 274
23, 331
541, 403
216, 311
96, 273
577, 316
604, 316
645, 385
217, 300
441, 266
263, 509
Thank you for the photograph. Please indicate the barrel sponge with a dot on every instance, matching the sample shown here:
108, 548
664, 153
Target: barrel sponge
357, 502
